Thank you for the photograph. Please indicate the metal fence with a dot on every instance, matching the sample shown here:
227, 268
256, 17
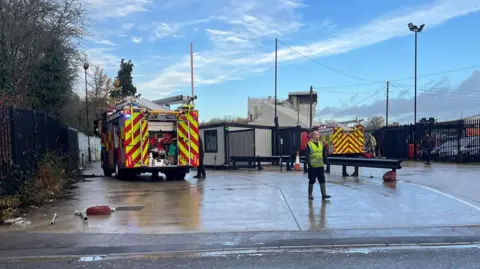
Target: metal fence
26, 135
455, 141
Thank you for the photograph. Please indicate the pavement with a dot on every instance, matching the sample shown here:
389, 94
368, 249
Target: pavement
435, 204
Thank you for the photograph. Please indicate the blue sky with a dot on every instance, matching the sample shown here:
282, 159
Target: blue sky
234, 43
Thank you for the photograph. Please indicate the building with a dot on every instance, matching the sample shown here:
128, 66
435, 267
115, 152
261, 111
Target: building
293, 111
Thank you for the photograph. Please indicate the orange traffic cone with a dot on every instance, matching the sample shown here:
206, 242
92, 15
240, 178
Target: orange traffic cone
297, 163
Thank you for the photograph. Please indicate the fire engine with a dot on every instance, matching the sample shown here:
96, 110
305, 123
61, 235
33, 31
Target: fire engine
341, 138
130, 131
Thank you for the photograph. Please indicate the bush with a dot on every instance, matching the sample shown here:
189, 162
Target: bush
48, 182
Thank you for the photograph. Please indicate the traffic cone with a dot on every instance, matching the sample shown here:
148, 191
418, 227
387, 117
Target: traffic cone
297, 163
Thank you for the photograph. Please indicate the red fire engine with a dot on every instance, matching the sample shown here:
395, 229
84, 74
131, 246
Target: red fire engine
127, 131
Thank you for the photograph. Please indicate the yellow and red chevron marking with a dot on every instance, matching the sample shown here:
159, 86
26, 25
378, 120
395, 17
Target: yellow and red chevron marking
188, 139
136, 135
145, 143
348, 143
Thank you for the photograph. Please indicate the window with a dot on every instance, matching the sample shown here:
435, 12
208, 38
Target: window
211, 142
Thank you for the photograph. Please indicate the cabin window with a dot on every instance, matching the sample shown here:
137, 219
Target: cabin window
211, 141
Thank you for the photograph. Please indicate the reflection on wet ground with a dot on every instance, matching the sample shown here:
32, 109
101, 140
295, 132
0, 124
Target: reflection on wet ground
268, 200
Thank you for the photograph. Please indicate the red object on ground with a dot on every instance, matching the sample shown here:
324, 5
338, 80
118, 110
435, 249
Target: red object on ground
102, 210
390, 176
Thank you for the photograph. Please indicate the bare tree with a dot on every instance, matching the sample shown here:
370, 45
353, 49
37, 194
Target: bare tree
39, 49
375, 122
226, 119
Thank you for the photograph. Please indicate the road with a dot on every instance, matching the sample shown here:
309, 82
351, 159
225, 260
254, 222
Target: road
252, 209
426, 258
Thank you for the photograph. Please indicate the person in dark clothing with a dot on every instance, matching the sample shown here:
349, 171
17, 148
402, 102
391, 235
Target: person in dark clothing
427, 146
316, 157
201, 169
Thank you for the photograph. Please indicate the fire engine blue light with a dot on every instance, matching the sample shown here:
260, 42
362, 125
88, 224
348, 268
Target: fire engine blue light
127, 116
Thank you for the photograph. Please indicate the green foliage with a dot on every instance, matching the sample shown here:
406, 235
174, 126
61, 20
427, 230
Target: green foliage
126, 81
24, 189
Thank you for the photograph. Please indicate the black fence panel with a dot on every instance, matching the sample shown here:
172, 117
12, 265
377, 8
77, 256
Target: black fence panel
291, 139
40, 132
5, 141
454, 141
23, 140
394, 143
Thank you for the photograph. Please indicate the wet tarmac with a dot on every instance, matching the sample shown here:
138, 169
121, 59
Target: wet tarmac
425, 196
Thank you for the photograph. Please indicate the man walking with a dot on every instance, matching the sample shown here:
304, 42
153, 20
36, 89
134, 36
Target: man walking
427, 147
201, 169
316, 156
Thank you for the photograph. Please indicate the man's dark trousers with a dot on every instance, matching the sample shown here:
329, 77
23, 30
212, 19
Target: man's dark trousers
428, 156
316, 173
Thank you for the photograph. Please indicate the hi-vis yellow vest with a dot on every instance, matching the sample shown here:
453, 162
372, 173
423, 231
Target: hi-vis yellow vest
316, 154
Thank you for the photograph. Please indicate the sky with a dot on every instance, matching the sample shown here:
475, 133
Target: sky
346, 50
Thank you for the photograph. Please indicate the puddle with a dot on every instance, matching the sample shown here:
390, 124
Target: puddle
129, 208
91, 258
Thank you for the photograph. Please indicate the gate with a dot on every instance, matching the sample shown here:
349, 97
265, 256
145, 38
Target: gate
240, 143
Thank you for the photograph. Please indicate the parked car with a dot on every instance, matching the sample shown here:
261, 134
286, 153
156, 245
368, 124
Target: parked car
451, 151
471, 151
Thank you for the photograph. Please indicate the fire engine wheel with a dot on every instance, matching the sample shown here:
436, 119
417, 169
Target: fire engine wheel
107, 172
174, 175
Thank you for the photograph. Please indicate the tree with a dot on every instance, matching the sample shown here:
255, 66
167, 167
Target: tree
226, 119
375, 122
125, 81
101, 87
38, 51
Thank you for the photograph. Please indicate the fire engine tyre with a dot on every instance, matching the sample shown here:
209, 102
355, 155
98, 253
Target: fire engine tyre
175, 175
107, 172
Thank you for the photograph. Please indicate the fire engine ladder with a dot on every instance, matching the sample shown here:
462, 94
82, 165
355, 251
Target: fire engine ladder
179, 99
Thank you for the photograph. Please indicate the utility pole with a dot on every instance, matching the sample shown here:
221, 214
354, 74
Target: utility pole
85, 67
311, 108
275, 120
191, 69
386, 112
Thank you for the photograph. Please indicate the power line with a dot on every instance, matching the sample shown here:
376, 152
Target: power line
322, 90
370, 96
325, 66
439, 73
349, 86
437, 89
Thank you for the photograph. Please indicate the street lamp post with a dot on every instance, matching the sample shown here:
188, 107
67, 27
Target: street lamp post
416, 30
85, 67
277, 150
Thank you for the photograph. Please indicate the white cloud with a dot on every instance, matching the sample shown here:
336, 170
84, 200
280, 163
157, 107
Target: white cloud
242, 27
104, 42
440, 100
103, 9
103, 57
137, 39
127, 26
162, 30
